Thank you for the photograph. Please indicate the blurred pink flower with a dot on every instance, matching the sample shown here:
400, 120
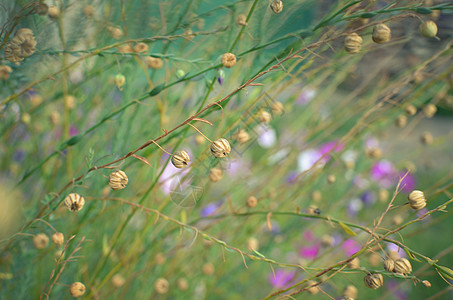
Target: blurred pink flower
350, 247
384, 173
309, 252
408, 183
281, 279
306, 96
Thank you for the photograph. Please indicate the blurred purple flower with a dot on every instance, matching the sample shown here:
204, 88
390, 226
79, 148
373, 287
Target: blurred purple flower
421, 212
368, 197
73, 130
333, 146
267, 136
220, 80
18, 155
306, 96
354, 206
350, 247
281, 279
307, 159
384, 173
291, 177
309, 252
393, 247
171, 178
211, 209
408, 183
393, 285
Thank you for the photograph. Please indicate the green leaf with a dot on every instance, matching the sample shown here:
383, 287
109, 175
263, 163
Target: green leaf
347, 229
446, 272
423, 11
367, 15
157, 89
412, 256
259, 254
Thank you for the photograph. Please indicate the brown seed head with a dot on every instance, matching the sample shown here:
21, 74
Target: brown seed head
220, 148
427, 138
242, 136
252, 201
4, 72
70, 101
264, 117
417, 200
428, 29
40, 241
215, 174
115, 32
161, 285
429, 110
53, 12
327, 240
277, 6
140, 47
401, 121
350, 291
182, 284
74, 202
426, 283
58, 238
208, 269
354, 263
389, 265
118, 180
277, 107
403, 266
410, 110
88, 10
312, 289
381, 33
353, 43
180, 159
118, 280
77, 289
153, 62
331, 179
228, 60
374, 281
241, 20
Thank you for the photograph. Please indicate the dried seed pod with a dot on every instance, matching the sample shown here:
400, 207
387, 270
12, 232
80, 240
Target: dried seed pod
88, 10
70, 101
242, 136
428, 29
277, 6
115, 32
5, 71
140, 47
383, 195
118, 180
374, 153
22, 45
252, 201
253, 244
228, 60
327, 240
354, 263
350, 291
220, 148
199, 140
403, 266
426, 138
353, 43
401, 121
316, 196
153, 62
77, 289
331, 179
53, 12
182, 284
429, 110
241, 20
312, 289
160, 258
215, 174
120, 80
417, 200
41, 9
118, 280
277, 108
374, 281
58, 238
54, 118
74, 202
40, 241
180, 159
161, 285
264, 117
208, 269
381, 33
426, 283
397, 220
389, 265
410, 110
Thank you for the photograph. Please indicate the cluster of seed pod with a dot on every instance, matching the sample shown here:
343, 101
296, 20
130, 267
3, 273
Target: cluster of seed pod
417, 200
22, 45
374, 281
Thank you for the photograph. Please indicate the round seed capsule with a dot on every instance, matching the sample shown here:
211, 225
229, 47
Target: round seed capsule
428, 29
74, 202
410, 110
401, 121
118, 180
417, 200
277, 6
220, 148
350, 291
58, 238
374, 281
40, 241
381, 33
215, 174
252, 201
427, 138
242, 136
161, 285
180, 159
429, 110
353, 43
403, 266
77, 289
389, 265
228, 60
